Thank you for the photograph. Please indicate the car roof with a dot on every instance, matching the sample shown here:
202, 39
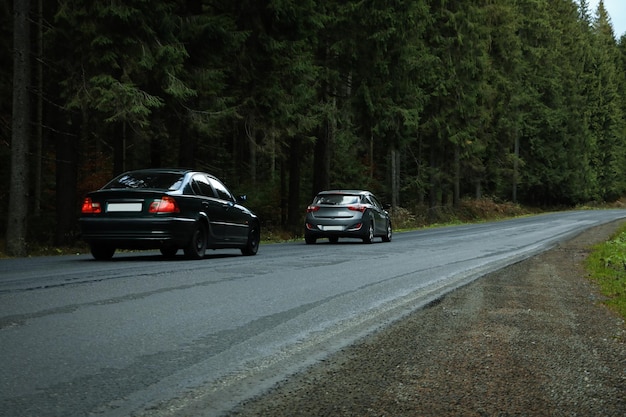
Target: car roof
353, 192
159, 170
181, 171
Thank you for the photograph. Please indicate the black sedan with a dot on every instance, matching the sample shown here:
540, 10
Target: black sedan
346, 213
167, 209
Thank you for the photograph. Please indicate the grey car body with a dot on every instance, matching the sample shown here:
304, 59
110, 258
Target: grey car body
167, 209
335, 214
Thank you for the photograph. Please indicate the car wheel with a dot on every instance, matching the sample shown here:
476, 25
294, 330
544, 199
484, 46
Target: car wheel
102, 252
387, 236
369, 238
197, 244
169, 251
252, 246
310, 240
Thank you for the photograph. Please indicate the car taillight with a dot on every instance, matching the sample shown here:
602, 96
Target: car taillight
357, 208
312, 209
91, 207
164, 205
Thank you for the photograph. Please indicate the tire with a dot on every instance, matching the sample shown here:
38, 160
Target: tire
310, 240
169, 251
252, 245
102, 252
387, 236
196, 247
369, 237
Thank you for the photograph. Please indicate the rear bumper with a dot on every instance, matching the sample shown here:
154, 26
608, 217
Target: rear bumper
137, 233
318, 230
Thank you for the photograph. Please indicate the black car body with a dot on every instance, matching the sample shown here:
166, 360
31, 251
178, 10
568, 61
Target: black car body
167, 209
335, 214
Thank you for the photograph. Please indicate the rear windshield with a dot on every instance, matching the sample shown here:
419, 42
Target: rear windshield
337, 199
151, 180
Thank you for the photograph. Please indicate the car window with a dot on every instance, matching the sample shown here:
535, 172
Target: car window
156, 181
201, 186
221, 190
373, 201
336, 199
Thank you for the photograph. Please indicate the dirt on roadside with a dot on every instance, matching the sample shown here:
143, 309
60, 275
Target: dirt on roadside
532, 339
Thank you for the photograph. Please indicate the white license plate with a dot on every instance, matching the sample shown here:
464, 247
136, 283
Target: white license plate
333, 228
124, 207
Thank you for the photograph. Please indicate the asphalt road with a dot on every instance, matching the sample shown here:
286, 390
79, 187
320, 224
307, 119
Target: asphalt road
144, 336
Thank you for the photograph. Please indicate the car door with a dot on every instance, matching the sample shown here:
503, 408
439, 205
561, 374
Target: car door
234, 217
211, 206
380, 219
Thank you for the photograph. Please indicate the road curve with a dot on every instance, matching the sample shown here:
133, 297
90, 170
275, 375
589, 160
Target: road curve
145, 336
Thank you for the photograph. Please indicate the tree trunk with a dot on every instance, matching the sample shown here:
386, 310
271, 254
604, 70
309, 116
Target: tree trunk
326, 131
156, 151
293, 206
515, 167
284, 191
18, 194
38, 154
456, 195
321, 161
395, 177
67, 154
66, 179
433, 186
250, 129
187, 148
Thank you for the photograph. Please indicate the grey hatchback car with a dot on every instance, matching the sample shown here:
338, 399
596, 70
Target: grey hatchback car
346, 214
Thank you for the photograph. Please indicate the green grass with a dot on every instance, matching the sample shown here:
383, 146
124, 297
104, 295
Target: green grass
607, 267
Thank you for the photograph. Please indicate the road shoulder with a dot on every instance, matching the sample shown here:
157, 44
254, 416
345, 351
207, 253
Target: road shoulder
530, 339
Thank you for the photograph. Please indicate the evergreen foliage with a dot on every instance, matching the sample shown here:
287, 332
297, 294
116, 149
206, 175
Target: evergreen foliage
425, 102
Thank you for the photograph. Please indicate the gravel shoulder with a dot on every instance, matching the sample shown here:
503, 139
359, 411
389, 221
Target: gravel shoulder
532, 339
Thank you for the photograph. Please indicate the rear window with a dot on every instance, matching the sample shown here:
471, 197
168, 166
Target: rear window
151, 180
337, 199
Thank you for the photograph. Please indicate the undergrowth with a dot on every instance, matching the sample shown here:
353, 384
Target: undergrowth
607, 267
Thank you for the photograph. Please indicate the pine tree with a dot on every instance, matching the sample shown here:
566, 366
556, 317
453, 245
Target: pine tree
506, 102
276, 81
387, 97
458, 94
606, 117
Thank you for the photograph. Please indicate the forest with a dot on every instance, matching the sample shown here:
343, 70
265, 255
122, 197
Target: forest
424, 102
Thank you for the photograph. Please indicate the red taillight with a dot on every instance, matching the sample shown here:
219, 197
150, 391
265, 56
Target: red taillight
312, 209
165, 205
91, 207
357, 208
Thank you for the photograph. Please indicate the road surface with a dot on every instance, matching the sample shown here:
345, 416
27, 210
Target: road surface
141, 335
